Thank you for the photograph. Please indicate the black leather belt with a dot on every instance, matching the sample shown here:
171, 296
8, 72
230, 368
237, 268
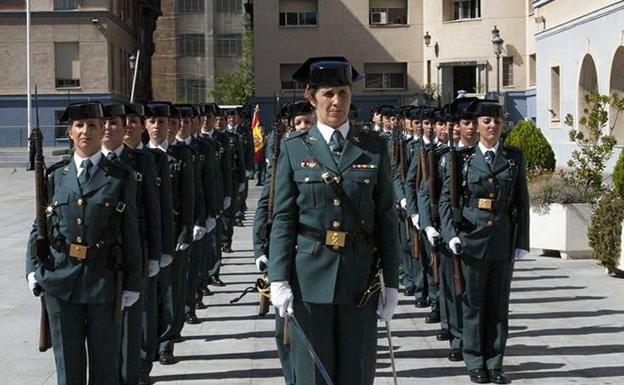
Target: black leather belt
487, 204
84, 252
332, 238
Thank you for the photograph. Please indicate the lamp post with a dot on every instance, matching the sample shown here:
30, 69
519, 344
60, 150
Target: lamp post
427, 38
133, 61
497, 47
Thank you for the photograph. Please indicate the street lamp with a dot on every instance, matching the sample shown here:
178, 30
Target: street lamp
497, 47
427, 38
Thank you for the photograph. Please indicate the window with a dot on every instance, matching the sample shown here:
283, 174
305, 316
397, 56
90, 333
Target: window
508, 71
192, 44
298, 13
229, 6
67, 65
388, 12
62, 5
461, 9
286, 73
385, 75
190, 6
555, 90
229, 45
191, 90
532, 69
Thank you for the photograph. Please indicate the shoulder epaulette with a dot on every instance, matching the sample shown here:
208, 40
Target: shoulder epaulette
121, 166
294, 134
512, 149
57, 165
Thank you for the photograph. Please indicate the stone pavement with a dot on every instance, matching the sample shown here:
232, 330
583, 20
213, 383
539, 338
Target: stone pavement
567, 322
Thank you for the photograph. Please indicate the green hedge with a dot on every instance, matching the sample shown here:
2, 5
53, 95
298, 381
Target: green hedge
537, 151
605, 230
618, 175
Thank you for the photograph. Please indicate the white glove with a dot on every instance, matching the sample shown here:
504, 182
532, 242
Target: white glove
388, 302
128, 298
227, 201
282, 297
455, 245
415, 220
403, 203
432, 236
520, 254
198, 232
165, 260
182, 246
241, 187
262, 263
153, 267
249, 174
211, 223
32, 283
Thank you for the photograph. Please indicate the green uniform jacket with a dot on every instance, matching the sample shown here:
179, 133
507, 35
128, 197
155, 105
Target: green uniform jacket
318, 273
488, 234
411, 190
425, 209
166, 200
86, 216
227, 163
400, 173
181, 173
209, 177
246, 137
148, 198
199, 172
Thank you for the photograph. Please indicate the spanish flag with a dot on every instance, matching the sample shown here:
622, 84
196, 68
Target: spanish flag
258, 139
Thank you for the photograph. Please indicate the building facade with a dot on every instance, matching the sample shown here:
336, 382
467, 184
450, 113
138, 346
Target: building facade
580, 49
409, 51
196, 41
81, 50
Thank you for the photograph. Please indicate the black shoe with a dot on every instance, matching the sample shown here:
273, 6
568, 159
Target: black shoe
192, 319
216, 281
444, 335
200, 305
422, 302
455, 355
433, 317
144, 379
498, 377
409, 291
227, 249
239, 223
206, 290
478, 376
167, 358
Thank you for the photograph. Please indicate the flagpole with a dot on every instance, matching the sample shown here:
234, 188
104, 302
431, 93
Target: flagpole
28, 74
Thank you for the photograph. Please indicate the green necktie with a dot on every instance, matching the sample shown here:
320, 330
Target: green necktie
111, 156
336, 145
86, 173
489, 157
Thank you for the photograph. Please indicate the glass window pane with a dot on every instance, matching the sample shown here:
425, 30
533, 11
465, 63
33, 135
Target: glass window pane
291, 18
282, 19
374, 81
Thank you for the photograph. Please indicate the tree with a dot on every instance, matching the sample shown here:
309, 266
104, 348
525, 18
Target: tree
239, 86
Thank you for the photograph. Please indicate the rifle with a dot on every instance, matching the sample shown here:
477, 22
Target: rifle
42, 243
421, 175
455, 211
434, 195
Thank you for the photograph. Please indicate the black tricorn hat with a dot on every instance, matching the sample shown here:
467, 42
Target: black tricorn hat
438, 115
158, 109
413, 113
232, 111
82, 110
486, 107
186, 110
390, 111
458, 108
136, 109
301, 108
427, 113
326, 71
114, 110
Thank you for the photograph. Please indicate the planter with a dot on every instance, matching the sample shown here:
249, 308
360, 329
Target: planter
564, 229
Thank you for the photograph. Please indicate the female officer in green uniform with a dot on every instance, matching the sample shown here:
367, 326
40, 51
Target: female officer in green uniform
494, 208
93, 227
334, 189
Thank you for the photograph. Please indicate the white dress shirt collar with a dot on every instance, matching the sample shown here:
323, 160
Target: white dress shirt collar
485, 149
117, 151
139, 146
186, 141
162, 146
95, 159
327, 131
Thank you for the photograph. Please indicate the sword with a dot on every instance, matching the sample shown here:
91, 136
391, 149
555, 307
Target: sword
309, 348
388, 334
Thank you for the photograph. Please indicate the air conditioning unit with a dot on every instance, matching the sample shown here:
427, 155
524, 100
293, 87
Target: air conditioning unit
379, 18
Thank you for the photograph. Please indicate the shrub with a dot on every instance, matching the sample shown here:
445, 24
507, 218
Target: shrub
605, 229
618, 175
549, 188
537, 151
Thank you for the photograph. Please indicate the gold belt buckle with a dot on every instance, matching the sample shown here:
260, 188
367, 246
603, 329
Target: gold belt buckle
78, 251
336, 239
485, 204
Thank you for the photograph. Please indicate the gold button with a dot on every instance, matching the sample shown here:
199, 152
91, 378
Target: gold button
490, 223
80, 202
79, 221
337, 202
336, 248
336, 224
491, 180
307, 179
491, 195
106, 204
366, 181
78, 239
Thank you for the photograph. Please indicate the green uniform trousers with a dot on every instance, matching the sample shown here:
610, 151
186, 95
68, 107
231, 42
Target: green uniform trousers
283, 351
166, 308
131, 339
73, 324
450, 303
215, 252
425, 260
344, 338
486, 311
179, 272
149, 332
407, 262
197, 265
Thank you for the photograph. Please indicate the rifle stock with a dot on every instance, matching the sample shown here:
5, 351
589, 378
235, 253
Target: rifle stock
455, 212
